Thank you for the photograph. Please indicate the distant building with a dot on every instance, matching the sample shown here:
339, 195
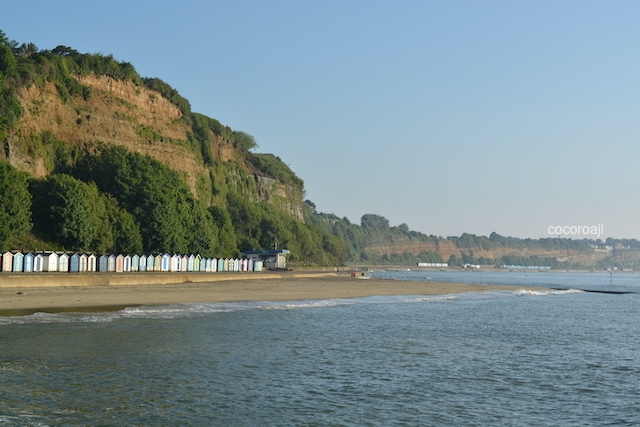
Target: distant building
273, 258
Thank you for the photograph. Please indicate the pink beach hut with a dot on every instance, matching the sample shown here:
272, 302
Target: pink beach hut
7, 262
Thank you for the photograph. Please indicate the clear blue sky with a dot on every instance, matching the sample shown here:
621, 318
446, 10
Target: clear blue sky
449, 116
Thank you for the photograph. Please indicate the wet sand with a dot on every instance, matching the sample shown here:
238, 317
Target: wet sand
232, 287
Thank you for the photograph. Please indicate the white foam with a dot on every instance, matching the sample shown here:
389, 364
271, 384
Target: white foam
198, 309
525, 292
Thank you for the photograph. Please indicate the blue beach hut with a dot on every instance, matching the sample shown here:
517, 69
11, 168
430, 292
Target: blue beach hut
135, 262
28, 263
103, 263
74, 263
18, 262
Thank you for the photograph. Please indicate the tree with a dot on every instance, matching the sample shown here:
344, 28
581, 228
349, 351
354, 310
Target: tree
244, 141
8, 62
62, 211
15, 208
26, 50
64, 51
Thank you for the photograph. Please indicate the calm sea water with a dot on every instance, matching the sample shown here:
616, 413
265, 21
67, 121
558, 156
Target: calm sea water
554, 358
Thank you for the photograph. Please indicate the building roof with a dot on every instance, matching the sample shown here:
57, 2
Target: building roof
267, 251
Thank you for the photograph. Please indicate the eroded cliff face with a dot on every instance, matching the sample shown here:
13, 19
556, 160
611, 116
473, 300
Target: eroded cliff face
142, 120
447, 248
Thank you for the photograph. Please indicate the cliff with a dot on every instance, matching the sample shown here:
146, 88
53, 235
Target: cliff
123, 113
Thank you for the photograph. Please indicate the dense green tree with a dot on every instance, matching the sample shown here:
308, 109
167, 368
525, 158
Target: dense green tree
63, 211
243, 141
170, 218
127, 237
15, 205
227, 242
8, 61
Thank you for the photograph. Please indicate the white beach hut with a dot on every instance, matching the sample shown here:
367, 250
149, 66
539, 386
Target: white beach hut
127, 263
49, 262
63, 263
91, 263
38, 262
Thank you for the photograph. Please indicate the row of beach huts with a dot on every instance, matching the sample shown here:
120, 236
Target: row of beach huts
18, 262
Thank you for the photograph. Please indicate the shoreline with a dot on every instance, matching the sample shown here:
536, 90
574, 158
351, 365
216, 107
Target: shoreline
19, 300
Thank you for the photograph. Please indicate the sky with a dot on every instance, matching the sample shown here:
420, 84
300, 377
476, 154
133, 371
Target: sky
449, 116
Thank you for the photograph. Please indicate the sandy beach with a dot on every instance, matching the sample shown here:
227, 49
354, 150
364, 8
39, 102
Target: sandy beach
283, 287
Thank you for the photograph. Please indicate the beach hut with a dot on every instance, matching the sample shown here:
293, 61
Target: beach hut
28, 263
83, 263
184, 262
119, 263
126, 263
174, 264
250, 265
18, 262
63, 263
111, 263
149, 260
202, 264
157, 263
49, 262
91, 263
135, 262
142, 264
220, 265
7, 262
191, 263
38, 262
166, 262
257, 265
103, 263
74, 263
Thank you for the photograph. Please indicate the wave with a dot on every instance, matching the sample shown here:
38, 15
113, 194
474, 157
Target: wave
175, 311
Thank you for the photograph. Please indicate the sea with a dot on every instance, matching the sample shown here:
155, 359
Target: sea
557, 357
